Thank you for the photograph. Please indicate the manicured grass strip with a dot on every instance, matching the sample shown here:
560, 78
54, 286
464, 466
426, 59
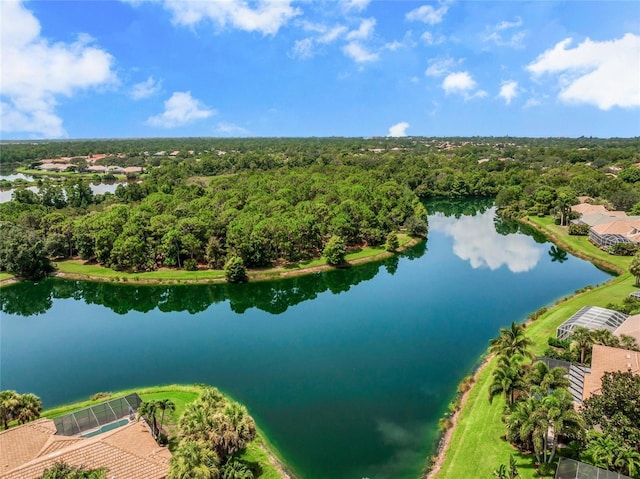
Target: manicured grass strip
78, 267
477, 448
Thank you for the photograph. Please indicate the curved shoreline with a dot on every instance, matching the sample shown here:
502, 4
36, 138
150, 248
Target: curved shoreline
446, 439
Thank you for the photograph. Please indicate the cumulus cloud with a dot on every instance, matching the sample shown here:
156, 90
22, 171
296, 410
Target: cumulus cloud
476, 240
508, 90
462, 83
145, 89
179, 110
399, 129
35, 72
364, 31
267, 17
359, 53
428, 14
604, 74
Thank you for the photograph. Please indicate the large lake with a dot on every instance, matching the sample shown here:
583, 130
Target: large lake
348, 371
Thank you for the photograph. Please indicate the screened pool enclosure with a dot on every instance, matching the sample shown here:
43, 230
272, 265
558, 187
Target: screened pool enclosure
570, 469
94, 417
592, 318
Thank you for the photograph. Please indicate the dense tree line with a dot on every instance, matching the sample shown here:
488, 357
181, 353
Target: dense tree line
262, 218
273, 200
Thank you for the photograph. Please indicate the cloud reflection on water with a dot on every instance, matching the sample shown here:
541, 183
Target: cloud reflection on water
476, 240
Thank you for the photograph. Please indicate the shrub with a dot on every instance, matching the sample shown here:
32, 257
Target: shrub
101, 395
578, 229
234, 270
392, 243
190, 264
624, 249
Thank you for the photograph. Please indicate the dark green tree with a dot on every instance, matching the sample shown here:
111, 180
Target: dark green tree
335, 251
235, 271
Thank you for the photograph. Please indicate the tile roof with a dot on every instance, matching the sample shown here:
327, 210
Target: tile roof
631, 327
626, 227
128, 452
607, 359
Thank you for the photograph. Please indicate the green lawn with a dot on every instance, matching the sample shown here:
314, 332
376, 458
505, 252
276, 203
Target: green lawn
181, 396
477, 447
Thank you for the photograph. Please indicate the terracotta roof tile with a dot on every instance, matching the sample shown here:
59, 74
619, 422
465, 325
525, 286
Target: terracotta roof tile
607, 359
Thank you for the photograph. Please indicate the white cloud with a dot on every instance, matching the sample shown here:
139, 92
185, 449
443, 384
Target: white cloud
441, 66
365, 30
508, 90
179, 110
332, 34
428, 38
303, 48
476, 240
359, 53
231, 129
428, 14
531, 102
35, 73
406, 42
497, 34
354, 5
145, 89
604, 74
267, 17
399, 129
462, 83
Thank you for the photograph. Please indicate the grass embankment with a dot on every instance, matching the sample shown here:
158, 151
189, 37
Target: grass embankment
260, 450
476, 447
78, 269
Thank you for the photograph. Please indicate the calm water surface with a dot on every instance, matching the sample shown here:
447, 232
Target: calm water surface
347, 371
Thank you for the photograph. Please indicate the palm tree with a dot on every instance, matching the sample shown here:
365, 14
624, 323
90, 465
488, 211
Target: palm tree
605, 338
508, 378
547, 379
512, 341
634, 268
601, 450
507, 473
562, 417
165, 405
582, 339
29, 408
628, 462
629, 342
194, 461
148, 409
9, 403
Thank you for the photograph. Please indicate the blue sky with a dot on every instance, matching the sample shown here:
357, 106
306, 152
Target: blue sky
92, 69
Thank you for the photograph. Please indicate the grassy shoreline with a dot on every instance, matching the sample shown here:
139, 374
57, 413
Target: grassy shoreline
260, 450
475, 447
78, 270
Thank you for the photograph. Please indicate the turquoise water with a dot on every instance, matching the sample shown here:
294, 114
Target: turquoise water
347, 371
107, 427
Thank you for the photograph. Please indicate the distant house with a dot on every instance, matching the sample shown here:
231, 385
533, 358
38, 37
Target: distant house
132, 169
585, 209
96, 169
54, 166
